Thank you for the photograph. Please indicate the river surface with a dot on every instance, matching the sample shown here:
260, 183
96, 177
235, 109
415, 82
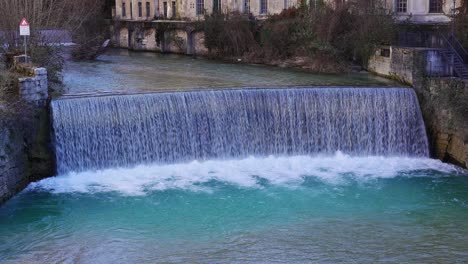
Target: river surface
307, 208
300, 209
126, 71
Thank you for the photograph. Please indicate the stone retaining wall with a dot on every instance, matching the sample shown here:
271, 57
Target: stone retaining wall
34, 89
444, 104
408, 64
14, 169
25, 154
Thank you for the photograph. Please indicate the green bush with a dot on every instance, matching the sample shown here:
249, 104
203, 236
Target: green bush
229, 34
346, 31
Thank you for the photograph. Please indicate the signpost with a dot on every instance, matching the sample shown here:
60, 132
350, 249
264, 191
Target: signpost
24, 31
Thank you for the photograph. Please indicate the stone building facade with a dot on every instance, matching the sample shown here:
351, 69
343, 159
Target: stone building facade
147, 10
416, 11
423, 11
165, 25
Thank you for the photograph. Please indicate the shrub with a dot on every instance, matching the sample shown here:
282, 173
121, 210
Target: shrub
344, 31
229, 34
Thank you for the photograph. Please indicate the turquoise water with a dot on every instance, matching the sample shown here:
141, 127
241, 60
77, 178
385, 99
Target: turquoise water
126, 71
300, 209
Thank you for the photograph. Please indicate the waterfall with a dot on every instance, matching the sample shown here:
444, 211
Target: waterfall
125, 130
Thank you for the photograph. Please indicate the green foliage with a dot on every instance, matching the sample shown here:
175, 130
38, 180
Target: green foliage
229, 34
346, 31
285, 38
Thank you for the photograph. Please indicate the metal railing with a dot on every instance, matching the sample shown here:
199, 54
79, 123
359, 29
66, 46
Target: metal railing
456, 55
458, 48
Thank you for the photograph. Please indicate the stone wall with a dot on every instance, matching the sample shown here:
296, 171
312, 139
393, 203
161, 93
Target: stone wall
408, 64
444, 106
34, 89
25, 153
172, 37
14, 169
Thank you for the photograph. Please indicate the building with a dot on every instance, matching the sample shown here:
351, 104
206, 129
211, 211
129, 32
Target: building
416, 11
138, 10
424, 11
168, 26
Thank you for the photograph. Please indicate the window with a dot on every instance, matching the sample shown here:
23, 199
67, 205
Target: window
216, 6
200, 7
247, 6
131, 10
385, 53
435, 6
124, 11
288, 4
165, 9
402, 6
173, 9
148, 9
140, 11
263, 6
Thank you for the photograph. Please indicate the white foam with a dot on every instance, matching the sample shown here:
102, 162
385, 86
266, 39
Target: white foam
286, 171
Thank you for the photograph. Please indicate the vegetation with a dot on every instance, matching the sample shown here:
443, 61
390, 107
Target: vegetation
12, 110
461, 24
51, 21
324, 35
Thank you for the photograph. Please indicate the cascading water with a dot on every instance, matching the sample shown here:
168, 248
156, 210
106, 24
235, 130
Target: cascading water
125, 130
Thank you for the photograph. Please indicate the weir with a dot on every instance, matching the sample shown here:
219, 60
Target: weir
125, 130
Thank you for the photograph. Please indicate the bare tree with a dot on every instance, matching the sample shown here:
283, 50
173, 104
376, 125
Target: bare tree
69, 15
51, 22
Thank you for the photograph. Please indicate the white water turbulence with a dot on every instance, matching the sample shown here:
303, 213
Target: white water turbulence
290, 172
128, 130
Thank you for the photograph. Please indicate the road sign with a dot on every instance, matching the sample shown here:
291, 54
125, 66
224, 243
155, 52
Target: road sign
24, 31
24, 28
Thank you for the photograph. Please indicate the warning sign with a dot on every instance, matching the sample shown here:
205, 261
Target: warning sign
24, 28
